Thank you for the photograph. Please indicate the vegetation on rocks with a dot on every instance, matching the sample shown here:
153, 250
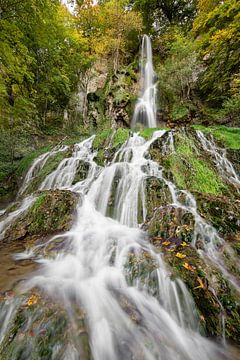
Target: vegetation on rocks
51, 213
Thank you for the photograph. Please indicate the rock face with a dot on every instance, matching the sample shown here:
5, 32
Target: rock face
112, 103
40, 329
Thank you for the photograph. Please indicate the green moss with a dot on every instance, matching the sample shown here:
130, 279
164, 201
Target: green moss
50, 212
101, 139
147, 133
120, 137
230, 137
51, 165
27, 161
190, 170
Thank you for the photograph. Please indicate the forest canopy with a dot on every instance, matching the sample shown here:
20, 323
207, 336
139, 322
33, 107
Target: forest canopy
45, 50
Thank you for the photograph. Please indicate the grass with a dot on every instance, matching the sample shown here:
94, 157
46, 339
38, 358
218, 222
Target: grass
191, 171
230, 137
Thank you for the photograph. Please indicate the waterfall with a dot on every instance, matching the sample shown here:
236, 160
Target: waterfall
130, 314
37, 165
145, 110
223, 165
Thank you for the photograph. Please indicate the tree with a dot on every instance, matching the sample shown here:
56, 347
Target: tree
217, 34
159, 14
110, 28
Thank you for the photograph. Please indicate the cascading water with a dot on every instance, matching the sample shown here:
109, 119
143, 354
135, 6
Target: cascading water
129, 315
145, 110
223, 165
37, 165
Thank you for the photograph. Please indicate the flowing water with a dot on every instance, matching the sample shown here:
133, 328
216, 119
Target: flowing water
223, 165
143, 314
145, 110
37, 165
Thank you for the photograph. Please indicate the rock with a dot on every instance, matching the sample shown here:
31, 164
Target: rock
51, 213
42, 329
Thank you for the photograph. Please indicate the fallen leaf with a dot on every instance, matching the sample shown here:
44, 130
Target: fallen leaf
184, 244
165, 243
188, 267
180, 255
32, 300
201, 286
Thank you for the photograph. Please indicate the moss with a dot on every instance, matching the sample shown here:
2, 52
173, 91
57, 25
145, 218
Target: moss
156, 194
82, 171
222, 212
101, 139
51, 213
190, 170
120, 137
27, 161
171, 230
42, 331
148, 132
51, 165
230, 137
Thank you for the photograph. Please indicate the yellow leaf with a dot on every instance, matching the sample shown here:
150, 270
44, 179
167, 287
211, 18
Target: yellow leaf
188, 266
165, 243
180, 255
184, 244
32, 300
201, 286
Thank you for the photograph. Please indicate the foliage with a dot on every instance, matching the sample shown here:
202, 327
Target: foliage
217, 29
120, 137
110, 28
159, 14
41, 54
177, 74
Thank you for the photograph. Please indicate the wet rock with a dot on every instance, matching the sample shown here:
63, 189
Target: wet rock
51, 213
171, 230
82, 171
171, 222
222, 212
40, 328
157, 194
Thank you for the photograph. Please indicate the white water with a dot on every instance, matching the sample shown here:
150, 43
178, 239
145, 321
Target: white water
63, 176
145, 110
37, 165
146, 315
12, 215
223, 165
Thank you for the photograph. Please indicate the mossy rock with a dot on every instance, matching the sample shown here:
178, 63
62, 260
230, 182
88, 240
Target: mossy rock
190, 167
171, 230
82, 171
51, 213
171, 222
41, 329
156, 194
221, 211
